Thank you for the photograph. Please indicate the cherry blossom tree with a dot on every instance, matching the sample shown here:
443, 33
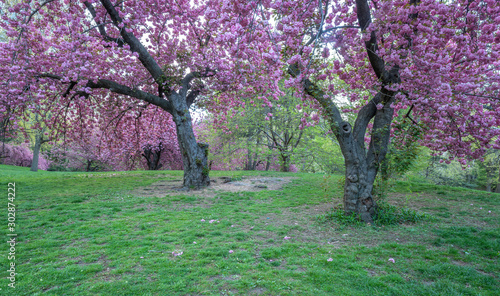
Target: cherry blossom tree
435, 63
432, 62
95, 140
20, 155
165, 53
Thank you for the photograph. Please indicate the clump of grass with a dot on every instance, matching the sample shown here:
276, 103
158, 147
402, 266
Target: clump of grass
337, 215
386, 215
236, 178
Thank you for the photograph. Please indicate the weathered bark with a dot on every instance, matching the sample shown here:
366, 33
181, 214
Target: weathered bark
358, 188
362, 166
194, 155
36, 153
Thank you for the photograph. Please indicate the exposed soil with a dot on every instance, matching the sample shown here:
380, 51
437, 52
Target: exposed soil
227, 184
301, 223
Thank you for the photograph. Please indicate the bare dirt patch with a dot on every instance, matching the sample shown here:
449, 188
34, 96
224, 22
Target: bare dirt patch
225, 184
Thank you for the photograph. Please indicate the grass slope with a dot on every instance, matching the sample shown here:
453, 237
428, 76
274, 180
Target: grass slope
86, 234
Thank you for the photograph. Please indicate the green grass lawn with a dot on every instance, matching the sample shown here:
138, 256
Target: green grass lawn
89, 234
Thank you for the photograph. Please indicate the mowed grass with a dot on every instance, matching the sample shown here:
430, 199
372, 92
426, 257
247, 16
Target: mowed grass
87, 234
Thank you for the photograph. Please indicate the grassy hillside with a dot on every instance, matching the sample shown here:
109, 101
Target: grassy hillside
105, 234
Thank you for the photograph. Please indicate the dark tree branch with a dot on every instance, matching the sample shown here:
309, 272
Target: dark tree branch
384, 97
132, 92
191, 97
186, 85
275, 134
136, 46
365, 19
298, 139
97, 26
380, 135
72, 84
120, 89
36, 10
414, 3
331, 111
339, 27
364, 117
102, 26
407, 115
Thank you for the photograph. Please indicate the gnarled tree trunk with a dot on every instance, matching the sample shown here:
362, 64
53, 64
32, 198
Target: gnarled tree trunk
194, 155
362, 165
358, 187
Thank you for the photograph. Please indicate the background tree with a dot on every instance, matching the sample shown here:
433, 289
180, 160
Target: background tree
161, 52
36, 131
270, 132
280, 127
236, 148
436, 61
94, 140
491, 165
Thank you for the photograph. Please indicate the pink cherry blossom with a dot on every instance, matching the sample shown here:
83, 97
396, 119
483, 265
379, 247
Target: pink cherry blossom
104, 72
